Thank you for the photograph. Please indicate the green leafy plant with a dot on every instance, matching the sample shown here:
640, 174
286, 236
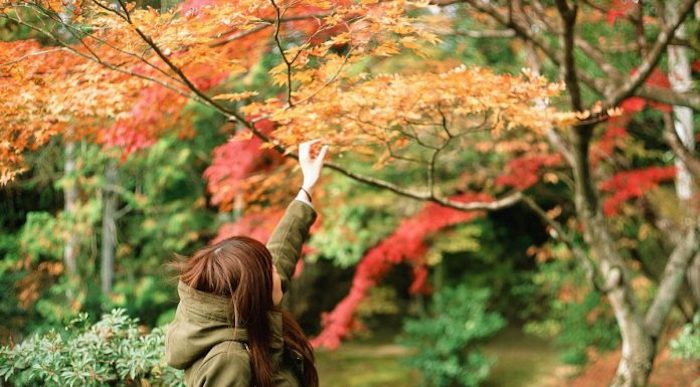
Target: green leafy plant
111, 352
687, 344
446, 340
574, 316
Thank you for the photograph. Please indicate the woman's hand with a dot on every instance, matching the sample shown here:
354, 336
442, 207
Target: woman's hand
310, 167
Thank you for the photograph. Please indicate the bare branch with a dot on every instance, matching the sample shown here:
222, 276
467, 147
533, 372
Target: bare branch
568, 16
676, 145
66, 46
558, 143
240, 34
560, 234
73, 30
278, 41
486, 34
652, 58
597, 84
38, 53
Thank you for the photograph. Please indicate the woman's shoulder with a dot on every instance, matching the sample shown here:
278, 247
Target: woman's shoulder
230, 348
227, 363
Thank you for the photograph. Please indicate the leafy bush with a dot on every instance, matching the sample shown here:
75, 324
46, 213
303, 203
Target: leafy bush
446, 340
687, 344
574, 316
111, 352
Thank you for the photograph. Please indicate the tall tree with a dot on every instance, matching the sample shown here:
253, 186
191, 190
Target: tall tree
109, 226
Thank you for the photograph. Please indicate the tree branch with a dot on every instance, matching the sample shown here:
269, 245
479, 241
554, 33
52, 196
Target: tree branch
652, 58
597, 84
671, 281
676, 145
67, 47
278, 24
486, 34
560, 234
568, 16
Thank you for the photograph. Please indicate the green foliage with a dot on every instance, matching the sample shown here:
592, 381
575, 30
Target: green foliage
462, 238
162, 209
352, 230
354, 219
111, 352
40, 237
576, 317
687, 344
446, 340
491, 252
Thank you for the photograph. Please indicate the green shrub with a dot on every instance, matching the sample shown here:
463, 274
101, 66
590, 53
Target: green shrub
112, 352
687, 344
446, 340
577, 322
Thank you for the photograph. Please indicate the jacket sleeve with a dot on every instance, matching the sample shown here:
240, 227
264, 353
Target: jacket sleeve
288, 238
228, 368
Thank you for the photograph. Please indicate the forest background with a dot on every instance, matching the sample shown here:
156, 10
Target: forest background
521, 163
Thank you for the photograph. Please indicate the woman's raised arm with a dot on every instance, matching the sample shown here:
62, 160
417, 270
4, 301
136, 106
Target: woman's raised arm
291, 232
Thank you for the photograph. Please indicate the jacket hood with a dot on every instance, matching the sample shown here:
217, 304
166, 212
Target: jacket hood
201, 322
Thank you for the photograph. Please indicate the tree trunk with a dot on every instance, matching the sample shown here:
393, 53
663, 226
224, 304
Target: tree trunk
70, 197
637, 347
638, 352
681, 82
693, 276
109, 227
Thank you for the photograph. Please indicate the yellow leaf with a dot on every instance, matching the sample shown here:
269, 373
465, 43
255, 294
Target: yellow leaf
339, 39
235, 96
409, 42
386, 49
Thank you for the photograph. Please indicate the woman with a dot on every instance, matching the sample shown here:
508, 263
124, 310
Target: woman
228, 328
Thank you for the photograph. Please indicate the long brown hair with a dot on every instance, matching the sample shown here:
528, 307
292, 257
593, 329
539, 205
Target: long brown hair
240, 268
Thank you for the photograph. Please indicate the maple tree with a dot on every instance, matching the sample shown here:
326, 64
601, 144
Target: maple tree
334, 75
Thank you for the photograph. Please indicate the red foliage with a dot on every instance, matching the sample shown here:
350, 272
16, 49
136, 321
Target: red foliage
633, 184
236, 160
636, 104
140, 128
613, 137
405, 244
696, 65
619, 8
420, 283
156, 110
633, 104
523, 172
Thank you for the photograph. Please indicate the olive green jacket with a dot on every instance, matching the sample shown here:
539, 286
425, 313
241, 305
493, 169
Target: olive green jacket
201, 339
